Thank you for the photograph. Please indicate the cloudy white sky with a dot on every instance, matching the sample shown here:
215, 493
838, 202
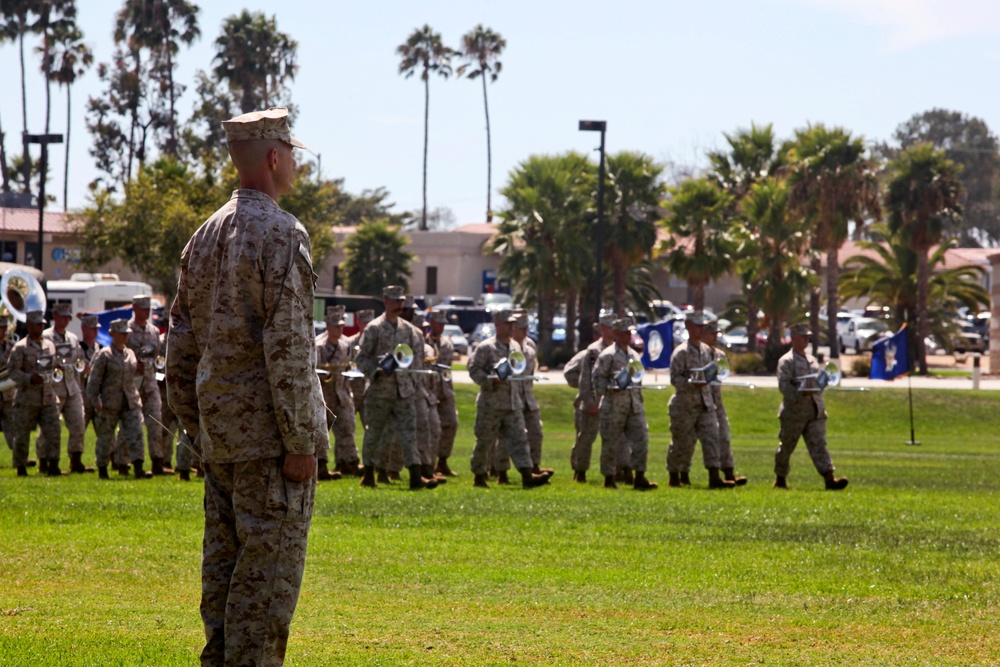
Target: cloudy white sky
669, 77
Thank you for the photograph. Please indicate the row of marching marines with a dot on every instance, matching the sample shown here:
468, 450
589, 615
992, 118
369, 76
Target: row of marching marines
53, 373
397, 377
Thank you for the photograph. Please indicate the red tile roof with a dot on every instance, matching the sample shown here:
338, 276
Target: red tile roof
26, 220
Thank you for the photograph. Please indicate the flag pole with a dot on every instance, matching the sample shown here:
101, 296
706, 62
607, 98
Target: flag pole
910, 350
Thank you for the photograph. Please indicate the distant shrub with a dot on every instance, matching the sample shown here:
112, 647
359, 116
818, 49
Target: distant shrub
747, 363
862, 367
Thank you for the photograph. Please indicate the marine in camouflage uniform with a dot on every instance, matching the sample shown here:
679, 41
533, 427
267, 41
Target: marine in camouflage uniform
188, 455
709, 337
144, 340
69, 390
358, 385
30, 365
241, 377
333, 354
391, 396
6, 397
802, 413
500, 406
623, 415
111, 389
692, 409
587, 403
89, 346
443, 349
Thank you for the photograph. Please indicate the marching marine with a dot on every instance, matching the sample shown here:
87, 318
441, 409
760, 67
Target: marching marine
443, 349
802, 413
333, 355
144, 341
112, 391
623, 416
362, 319
70, 395
6, 396
587, 403
710, 336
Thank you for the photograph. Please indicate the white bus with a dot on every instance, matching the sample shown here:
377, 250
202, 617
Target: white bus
92, 292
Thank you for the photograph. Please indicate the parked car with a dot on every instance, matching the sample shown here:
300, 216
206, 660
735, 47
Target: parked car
460, 301
495, 301
736, 339
967, 340
558, 330
457, 336
861, 332
482, 331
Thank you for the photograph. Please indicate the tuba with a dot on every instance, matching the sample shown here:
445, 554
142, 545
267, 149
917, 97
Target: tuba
21, 293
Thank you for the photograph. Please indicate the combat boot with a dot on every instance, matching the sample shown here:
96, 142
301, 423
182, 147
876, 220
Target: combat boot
543, 471
31, 463
102, 472
394, 476
442, 467
685, 479
323, 473
529, 480
493, 472
418, 481
52, 470
580, 476
715, 480
354, 468
43, 465
642, 484
76, 463
368, 478
480, 482
730, 475
780, 483
123, 470
160, 469
627, 476
22, 471
609, 482
184, 475
675, 480
502, 478
834, 483
138, 471
620, 475
383, 476
430, 473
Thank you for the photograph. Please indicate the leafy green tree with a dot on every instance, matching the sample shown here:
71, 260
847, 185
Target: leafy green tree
424, 51
376, 258
701, 245
634, 196
832, 184
255, 59
482, 47
923, 196
890, 280
541, 238
71, 58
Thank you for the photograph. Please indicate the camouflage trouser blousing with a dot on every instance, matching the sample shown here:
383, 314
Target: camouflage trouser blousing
378, 412
813, 431
500, 457
686, 427
47, 418
129, 437
623, 430
151, 410
424, 449
72, 413
587, 428
448, 414
434, 432
344, 448
254, 553
491, 424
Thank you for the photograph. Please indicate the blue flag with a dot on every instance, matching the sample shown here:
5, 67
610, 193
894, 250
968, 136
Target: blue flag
891, 357
658, 344
104, 320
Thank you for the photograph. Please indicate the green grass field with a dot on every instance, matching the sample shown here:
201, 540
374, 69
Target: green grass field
901, 568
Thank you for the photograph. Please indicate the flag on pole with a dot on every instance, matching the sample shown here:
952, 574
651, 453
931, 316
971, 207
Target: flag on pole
658, 344
891, 357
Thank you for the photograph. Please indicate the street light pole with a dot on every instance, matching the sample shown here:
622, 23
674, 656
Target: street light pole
44, 140
598, 126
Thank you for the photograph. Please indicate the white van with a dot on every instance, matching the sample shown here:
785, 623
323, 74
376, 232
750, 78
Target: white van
92, 292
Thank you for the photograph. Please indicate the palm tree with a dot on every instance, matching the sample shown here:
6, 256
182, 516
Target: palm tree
16, 14
923, 194
771, 245
255, 58
71, 58
753, 155
633, 213
53, 15
832, 184
541, 239
890, 279
160, 26
701, 245
376, 258
482, 48
424, 51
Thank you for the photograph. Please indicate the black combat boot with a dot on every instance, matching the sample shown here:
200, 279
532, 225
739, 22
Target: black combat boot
580, 476
102, 472
138, 471
530, 480
627, 476
480, 481
642, 484
675, 480
834, 483
685, 479
730, 474
418, 481
780, 482
76, 463
502, 477
610, 482
715, 480
368, 478
184, 475
52, 470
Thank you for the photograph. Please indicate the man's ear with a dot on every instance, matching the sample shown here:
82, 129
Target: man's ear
272, 159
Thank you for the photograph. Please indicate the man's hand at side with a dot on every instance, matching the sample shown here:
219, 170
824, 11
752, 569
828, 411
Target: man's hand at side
299, 467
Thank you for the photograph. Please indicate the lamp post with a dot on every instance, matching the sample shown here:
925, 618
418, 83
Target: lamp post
598, 126
44, 140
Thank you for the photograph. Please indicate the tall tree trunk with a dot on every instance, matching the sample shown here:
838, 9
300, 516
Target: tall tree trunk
172, 139
69, 116
546, 307
814, 299
571, 320
4, 173
832, 301
922, 280
489, 155
586, 314
619, 275
753, 326
26, 158
427, 111
698, 289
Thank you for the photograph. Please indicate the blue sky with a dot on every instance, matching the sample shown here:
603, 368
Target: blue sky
669, 78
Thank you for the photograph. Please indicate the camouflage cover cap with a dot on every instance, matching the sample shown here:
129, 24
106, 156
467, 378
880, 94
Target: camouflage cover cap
365, 316
119, 326
269, 124
63, 309
394, 292
438, 316
712, 327
141, 301
623, 324
503, 316
801, 330
89, 322
35, 317
608, 319
520, 319
335, 316
696, 317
